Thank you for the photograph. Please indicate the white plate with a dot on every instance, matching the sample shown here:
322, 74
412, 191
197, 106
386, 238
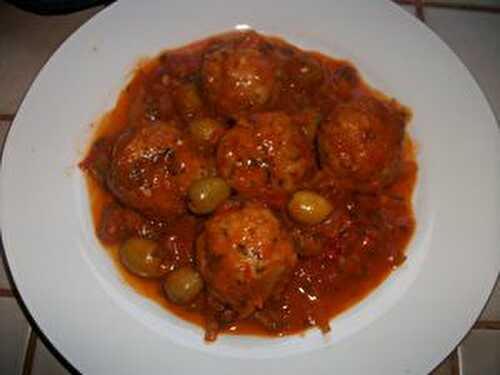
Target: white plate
100, 325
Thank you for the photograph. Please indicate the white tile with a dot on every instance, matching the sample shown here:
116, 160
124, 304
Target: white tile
492, 309
474, 36
44, 363
14, 331
480, 353
26, 42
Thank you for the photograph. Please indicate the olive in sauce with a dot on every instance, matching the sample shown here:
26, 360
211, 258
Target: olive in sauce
252, 187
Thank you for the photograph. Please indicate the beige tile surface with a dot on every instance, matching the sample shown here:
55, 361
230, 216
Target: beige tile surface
474, 36
480, 353
4, 127
26, 42
14, 332
472, 2
492, 309
44, 363
447, 367
4, 282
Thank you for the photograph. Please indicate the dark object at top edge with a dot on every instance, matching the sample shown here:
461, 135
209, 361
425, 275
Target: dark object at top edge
50, 7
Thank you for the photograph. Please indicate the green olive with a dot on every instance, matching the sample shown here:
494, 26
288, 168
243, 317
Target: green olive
182, 285
188, 99
308, 207
142, 257
204, 129
206, 194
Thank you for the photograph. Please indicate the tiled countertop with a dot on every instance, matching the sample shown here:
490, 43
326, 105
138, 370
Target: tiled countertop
27, 41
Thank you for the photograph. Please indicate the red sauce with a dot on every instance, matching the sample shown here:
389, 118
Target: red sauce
372, 222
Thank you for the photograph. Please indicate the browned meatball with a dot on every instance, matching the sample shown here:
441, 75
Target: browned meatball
244, 256
238, 77
266, 157
150, 100
152, 168
300, 77
340, 84
361, 143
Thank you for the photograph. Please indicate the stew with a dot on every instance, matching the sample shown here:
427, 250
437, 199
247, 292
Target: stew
252, 187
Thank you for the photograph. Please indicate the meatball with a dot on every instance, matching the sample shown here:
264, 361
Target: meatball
301, 77
361, 143
150, 100
152, 168
245, 256
238, 78
266, 156
341, 84
344, 80
302, 72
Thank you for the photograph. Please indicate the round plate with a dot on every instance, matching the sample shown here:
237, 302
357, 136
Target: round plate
408, 325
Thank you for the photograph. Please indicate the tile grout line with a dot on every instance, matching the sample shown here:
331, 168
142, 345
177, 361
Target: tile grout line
455, 362
9, 117
29, 353
460, 360
419, 10
471, 7
6, 293
493, 325
446, 5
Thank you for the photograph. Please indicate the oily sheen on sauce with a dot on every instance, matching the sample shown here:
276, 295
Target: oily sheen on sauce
272, 121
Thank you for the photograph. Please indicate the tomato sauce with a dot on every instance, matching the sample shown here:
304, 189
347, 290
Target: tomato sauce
359, 247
